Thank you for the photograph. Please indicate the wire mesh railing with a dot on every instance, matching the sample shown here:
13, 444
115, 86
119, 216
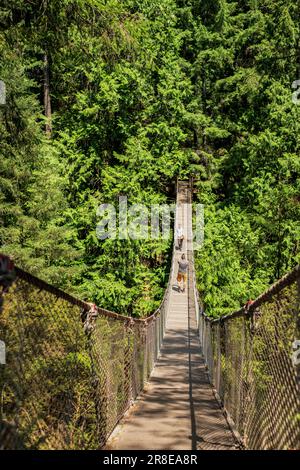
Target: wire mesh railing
68, 370
253, 361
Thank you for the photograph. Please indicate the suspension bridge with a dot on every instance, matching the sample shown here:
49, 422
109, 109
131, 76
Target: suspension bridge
76, 376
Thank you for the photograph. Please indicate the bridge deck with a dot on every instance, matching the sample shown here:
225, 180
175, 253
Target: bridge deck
177, 410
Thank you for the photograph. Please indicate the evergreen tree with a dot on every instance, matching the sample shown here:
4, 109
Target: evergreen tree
133, 95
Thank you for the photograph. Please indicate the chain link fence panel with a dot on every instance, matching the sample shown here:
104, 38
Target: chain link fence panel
71, 369
253, 367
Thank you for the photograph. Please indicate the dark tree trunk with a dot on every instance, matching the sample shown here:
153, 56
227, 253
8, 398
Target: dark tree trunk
47, 97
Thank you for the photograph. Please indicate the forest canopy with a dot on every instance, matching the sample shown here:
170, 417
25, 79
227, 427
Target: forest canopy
112, 98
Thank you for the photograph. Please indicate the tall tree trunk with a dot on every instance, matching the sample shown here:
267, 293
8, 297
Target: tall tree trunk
47, 97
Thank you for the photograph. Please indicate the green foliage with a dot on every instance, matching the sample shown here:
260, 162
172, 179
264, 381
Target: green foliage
32, 226
246, 59
119, 90
143, 92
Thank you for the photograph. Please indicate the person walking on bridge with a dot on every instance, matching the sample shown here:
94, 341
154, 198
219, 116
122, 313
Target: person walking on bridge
182, 272
179, 236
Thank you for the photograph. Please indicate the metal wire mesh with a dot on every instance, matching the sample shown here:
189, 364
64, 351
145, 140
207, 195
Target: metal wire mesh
249, 359
46, 394
71, 370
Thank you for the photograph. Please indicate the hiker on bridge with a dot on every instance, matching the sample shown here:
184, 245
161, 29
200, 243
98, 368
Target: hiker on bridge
182, 272
179, 236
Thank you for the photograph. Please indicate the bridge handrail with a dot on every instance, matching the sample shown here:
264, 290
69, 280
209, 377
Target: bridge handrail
42, 327
285, 281
34, 280
250, 361
59, 293
274, 289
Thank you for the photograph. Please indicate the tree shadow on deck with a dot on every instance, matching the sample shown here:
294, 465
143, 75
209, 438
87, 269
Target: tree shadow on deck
177, 410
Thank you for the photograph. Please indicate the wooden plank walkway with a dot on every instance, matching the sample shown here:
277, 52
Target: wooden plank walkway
177, 410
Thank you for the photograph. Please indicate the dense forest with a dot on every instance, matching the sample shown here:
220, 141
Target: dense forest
106, 98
